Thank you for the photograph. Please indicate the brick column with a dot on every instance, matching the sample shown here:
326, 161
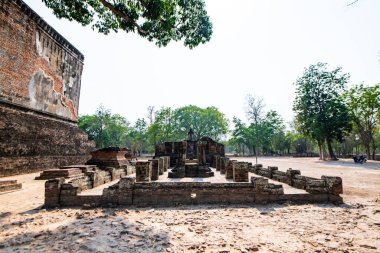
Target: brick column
166, 163
161, 164
143, 172
182, 154
240, 172
217, 162
230, 169
201, 152
154, 169
53, 192
223, 164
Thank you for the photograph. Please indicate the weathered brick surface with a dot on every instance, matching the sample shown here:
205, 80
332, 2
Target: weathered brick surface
217, 163
230, 169
53, 191
167, 163
40, 79
333, 184
129, 192
154, 169
39, 69
9, 185
223, 164
31, 141
110, 157
161, 165
188, 149
240, 172
143, 172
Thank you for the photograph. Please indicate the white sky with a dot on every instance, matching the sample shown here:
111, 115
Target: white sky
258, 47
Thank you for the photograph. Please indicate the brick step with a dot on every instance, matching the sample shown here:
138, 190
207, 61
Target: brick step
10, 185
7, 182
56, 173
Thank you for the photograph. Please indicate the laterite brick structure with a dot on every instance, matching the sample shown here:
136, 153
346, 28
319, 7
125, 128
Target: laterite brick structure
40, 81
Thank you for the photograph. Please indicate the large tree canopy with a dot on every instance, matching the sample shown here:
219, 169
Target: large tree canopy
173, 125
320, 110
364, 104
160, 21
105, 128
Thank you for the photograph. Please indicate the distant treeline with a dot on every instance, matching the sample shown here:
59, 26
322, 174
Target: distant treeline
330, 119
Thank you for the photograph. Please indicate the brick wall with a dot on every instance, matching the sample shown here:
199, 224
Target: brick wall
39, 69
129, 192
31, 142
40, 79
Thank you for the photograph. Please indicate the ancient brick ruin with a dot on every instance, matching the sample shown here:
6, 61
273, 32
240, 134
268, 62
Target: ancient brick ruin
143, 189
188, 149
190, 158
40, 81
105, 165
9, 185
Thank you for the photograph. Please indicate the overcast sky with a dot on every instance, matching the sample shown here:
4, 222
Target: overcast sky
258, 47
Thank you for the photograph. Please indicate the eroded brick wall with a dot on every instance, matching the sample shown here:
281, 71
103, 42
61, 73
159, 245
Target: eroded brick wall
31, 141
40, 79
39, 68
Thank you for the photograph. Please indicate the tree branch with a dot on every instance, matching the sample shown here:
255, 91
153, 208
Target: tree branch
352, 2
122, 15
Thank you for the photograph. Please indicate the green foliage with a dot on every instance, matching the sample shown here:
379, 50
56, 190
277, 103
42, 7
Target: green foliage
173, 125
268, 134
137, 137
320, 110
104, 128
160, 21
364, 104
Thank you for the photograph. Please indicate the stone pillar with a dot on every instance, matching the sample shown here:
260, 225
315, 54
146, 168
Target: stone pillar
213, 164
182, 154
143, 172
230, 169
217, 163
240, 171
166, 163
223, 164
290, 174
53, 191
154, 169
161, 164
334, 184
201, 152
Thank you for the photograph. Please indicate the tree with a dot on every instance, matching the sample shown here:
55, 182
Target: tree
240, 136
173, 125
163, 127
364, 104
203, 121
255, 107
150, 114
272, 132
137, 137
105, 128
160, 21
320, 110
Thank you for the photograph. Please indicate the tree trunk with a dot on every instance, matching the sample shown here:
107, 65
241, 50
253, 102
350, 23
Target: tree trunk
321, 153
368, 151
373, 149
331, 151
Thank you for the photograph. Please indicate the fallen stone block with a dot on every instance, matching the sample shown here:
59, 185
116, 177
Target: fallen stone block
333, 184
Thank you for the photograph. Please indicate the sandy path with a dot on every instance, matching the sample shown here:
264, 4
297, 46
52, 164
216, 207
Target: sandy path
352, 227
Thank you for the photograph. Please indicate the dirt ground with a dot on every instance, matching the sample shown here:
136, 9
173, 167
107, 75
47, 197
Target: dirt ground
351, 227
